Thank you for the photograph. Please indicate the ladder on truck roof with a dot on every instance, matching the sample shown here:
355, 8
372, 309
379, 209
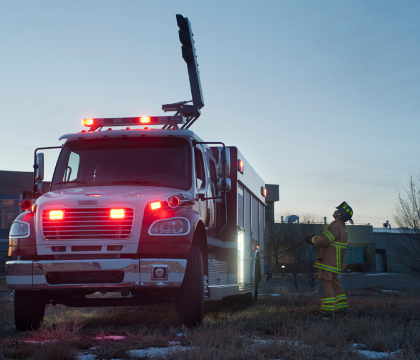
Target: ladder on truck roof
190, 112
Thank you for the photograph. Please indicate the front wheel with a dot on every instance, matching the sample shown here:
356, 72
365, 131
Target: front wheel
29, 309
191, 302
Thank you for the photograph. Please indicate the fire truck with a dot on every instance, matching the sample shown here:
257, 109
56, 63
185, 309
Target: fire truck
140, 211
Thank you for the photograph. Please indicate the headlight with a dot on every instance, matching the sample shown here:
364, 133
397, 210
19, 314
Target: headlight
175, 226
19, 229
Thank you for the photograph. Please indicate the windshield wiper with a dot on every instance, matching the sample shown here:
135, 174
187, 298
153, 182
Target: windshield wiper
71, 182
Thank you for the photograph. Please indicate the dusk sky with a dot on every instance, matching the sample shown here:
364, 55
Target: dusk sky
321, 97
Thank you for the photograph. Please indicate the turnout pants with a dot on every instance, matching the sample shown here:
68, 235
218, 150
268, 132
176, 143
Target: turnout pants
333, 295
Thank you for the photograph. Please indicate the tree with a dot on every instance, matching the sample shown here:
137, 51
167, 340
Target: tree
285, 240
407, 216
301, 255
273, 242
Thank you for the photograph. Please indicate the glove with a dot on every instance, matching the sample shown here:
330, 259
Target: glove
308, 239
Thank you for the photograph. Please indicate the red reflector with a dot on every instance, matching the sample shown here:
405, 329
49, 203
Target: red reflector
117, 213
155, 205
145, 120
87, 122
56, 214
25, 205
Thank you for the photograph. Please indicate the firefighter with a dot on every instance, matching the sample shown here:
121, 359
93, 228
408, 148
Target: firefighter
332, 247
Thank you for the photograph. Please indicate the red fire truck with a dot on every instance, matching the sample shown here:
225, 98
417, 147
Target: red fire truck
142, 215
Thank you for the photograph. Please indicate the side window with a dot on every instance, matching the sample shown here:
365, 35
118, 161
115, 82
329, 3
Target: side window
73, 168
199, 169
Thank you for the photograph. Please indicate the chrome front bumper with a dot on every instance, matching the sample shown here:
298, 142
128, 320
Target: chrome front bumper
144, 273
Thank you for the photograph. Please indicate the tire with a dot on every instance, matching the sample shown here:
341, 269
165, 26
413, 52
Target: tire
257, 278
191, 302
29, 309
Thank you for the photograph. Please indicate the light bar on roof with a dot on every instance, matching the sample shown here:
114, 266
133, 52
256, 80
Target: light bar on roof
149, 120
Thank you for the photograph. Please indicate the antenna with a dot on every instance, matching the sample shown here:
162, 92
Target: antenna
191, 112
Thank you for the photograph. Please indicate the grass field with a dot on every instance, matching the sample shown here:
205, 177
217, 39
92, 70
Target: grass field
274, 327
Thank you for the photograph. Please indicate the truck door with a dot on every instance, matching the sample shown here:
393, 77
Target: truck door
201, 183
211, 192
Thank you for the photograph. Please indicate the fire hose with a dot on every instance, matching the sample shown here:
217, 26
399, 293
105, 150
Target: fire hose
272, 254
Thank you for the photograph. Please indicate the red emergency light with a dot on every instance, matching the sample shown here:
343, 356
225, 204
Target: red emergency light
240, 166
96, 123
87, 122
173, 201
155, 205
56, 215
263, 191
117, 213
25, 204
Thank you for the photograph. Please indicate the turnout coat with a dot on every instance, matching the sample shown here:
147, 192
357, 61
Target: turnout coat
332, 247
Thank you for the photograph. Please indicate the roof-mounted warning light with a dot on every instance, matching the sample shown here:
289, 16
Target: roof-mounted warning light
132, 121
87, 122
240, 166
263, 191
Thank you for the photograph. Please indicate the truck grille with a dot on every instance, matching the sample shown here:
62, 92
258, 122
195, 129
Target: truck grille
82, 224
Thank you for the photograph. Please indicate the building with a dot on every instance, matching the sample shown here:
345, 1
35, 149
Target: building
373, 247
14, 186
386, 259
361, 250
273, 195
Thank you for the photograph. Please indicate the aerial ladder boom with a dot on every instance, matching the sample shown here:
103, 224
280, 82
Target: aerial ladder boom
190, 112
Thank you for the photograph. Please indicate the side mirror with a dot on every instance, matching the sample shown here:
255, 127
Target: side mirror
222, 183
39, 171
223, 159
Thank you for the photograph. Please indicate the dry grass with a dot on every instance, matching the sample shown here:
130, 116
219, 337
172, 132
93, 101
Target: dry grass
380, 321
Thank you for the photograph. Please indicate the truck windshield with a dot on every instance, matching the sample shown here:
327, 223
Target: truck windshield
124, 161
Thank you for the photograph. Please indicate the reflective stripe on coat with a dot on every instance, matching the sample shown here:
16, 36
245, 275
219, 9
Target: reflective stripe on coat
332, 247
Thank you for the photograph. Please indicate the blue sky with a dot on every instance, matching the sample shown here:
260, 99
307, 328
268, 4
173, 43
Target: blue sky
323, 98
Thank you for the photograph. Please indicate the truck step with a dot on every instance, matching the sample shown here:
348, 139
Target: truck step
219, 291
